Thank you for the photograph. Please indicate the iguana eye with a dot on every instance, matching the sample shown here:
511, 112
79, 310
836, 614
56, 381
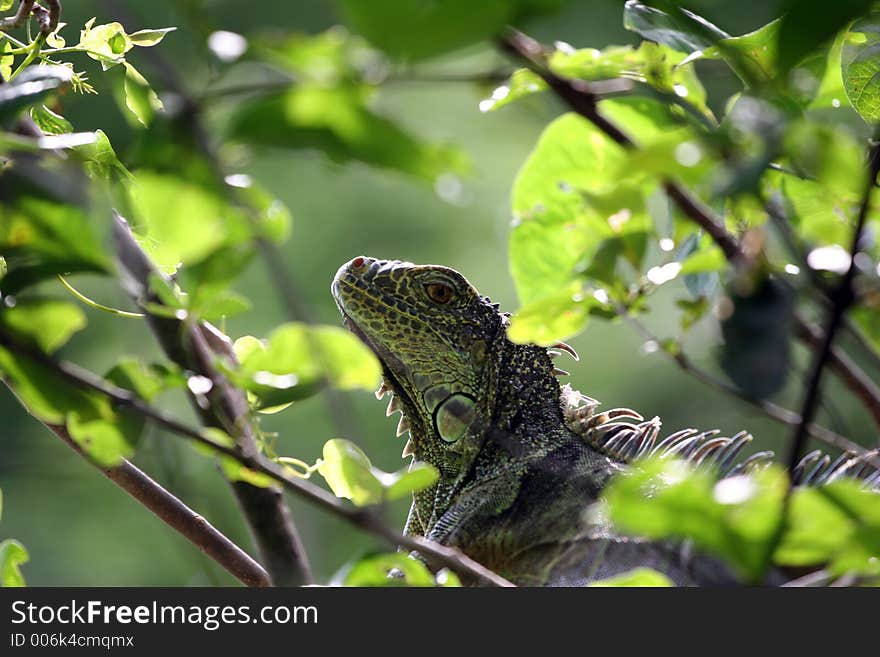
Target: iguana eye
439, 293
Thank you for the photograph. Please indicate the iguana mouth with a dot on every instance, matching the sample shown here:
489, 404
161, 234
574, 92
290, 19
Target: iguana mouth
390, 363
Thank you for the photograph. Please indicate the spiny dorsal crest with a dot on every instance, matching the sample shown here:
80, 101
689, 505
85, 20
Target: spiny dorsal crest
624, 435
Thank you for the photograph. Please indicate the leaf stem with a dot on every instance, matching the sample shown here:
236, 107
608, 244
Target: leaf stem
94, 304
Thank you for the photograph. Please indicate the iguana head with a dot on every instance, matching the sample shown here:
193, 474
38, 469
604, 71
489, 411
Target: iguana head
435, 336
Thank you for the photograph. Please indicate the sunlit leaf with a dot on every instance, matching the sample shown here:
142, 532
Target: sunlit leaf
568, 200
106, 43
100, 159
375, 569
50, 122
349, 473
669, 499
47, 322
41, 238
147, 38
636, 577
550, 319
236, 471
297, 358
837, 525
12, 556
140, 98
180, 222
860, 64
403, 483
6, 61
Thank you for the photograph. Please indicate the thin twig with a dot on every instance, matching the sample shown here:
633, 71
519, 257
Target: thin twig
771, 410
581, 99
437, 556
178, 516
841, 298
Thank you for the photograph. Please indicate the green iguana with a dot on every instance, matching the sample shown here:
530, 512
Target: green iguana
520, 456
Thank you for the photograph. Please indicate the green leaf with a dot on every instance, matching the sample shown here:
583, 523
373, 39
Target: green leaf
808, 24
551, 319
337, 121
50, 122
415, 29
6, 5
683, 32
140, 98
106, 439
235, 471
636, 577
274, 219
47, 322
349, 473
148, 38
145, 380
106, 43
298, 358
821, 216
522, 83
41, 238
103, 434
735, 519
374, 569
837, 524
404, 482
6, 61
860, 66
569, 201
100, 159
12, 556
178, 222
751, 56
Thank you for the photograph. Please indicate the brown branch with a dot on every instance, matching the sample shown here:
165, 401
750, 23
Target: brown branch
581, 98
13, 22
437, 556
226, 408
177, 515
46, 17
841, 299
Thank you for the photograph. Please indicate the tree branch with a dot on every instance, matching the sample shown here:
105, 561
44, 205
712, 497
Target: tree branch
47, 17
582, 99
436, 555
170, 510
185, 343
841, 299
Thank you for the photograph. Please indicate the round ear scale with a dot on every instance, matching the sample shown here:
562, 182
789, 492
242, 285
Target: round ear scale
454, 416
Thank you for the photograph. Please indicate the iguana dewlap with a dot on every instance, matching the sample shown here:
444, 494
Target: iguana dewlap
521, 458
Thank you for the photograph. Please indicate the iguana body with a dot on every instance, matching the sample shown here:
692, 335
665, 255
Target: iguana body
521, 458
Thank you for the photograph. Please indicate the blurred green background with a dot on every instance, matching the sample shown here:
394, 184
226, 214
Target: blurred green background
81, 530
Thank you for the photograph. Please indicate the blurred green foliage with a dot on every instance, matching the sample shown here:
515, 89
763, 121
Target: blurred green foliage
365, 127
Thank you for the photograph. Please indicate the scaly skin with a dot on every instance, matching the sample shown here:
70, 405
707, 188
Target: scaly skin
516, 481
